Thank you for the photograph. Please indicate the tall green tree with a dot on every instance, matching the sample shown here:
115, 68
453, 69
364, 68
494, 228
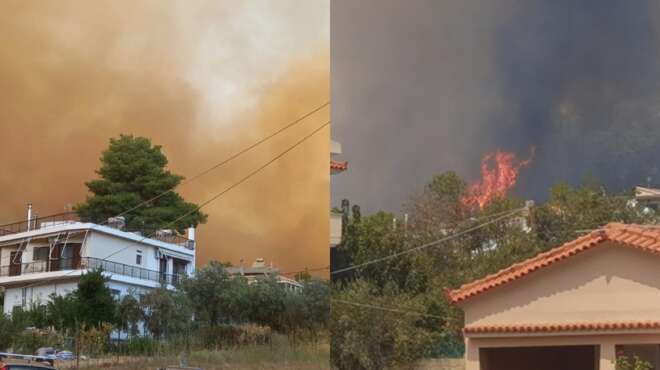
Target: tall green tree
94, 301
132, 171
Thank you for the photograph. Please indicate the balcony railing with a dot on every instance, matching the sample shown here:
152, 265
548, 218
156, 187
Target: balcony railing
38, 223
71, 217
89, 263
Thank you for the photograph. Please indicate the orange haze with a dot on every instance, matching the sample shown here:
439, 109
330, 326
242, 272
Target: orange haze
74, 74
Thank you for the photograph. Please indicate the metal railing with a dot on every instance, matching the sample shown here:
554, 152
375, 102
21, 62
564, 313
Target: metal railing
38, 223
71, 217
89, 263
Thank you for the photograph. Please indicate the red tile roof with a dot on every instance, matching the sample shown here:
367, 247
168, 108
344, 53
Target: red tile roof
338, 165
550, 328
642, 237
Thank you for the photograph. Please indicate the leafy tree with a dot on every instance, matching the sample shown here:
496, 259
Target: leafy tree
267, 303
8, 330
94, 301
129, 314
316, 300
206, 290
62, 311
166, 312
364, 338
133, 171
572, 210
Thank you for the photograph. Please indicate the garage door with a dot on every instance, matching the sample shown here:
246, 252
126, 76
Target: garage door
540, 358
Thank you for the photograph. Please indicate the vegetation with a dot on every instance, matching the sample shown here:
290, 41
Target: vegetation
634, 363
210, 310
134, 171
372, 338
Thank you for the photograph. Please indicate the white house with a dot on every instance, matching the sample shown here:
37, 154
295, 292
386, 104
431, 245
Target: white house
48, 255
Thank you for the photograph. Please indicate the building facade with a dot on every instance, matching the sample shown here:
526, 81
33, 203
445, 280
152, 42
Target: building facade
47, 256
579, 306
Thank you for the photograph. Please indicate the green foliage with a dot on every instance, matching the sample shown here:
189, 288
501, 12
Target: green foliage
8, 330
94, 301
62, 312
570, 210
129, 314
132, 171
166, 312
364, 338
422, 276
636, 363
207, 289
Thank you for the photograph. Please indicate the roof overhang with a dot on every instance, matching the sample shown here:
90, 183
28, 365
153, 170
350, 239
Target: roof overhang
640, 237
562, 329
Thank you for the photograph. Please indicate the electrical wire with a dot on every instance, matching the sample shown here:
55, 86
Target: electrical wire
218, 195
431, 244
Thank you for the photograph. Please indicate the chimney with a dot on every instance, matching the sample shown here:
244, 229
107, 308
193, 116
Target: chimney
29, 216
117, 222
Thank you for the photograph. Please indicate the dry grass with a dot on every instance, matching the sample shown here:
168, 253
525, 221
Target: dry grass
280, 356
445, 364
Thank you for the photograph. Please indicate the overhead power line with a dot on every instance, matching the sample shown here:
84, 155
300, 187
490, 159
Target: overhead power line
226, 160
395, 310
431, 244
234, 185
218, 195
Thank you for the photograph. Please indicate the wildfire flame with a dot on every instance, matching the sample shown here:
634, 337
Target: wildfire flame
496, 181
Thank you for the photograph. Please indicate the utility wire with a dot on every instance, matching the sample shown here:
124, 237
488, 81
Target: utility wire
232, 186
431, 244
364, 305
218, 195
227, 160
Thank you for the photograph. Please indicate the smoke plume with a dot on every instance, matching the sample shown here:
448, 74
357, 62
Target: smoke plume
204, 80
421, 87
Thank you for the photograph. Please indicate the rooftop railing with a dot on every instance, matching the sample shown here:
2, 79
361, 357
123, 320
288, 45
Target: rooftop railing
67, 218
89, 263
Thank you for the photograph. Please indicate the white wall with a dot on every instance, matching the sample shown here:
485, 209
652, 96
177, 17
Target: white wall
101, 246
35, 294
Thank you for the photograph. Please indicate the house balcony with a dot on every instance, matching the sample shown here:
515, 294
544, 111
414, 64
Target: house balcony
85, 263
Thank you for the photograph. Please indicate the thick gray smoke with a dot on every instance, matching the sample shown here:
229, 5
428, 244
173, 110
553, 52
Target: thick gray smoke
421, 87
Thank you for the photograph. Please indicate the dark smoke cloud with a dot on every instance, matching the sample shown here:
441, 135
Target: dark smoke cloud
421, 87
74, 73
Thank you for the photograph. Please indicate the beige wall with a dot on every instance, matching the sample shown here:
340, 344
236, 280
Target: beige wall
607, 283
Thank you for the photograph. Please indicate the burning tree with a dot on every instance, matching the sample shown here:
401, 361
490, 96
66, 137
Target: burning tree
496, 181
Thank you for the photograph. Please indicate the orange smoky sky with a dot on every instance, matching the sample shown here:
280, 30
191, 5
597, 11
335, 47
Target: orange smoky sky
203, 79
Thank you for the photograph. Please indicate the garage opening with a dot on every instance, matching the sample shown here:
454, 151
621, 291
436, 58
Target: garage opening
540, 358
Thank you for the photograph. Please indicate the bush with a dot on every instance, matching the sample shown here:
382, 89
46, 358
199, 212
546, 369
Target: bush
625, 363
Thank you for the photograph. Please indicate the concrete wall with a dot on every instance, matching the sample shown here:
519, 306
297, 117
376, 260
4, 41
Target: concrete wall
35, 294
101, 246
607, 283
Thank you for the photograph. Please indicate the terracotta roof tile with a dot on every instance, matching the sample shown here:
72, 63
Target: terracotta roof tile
549, 328
642, 237
338, 165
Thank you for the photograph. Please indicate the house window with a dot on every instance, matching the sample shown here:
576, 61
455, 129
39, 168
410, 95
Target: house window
138, 258
41, 254
115, 293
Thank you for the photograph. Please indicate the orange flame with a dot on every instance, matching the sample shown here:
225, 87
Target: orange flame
495, 181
